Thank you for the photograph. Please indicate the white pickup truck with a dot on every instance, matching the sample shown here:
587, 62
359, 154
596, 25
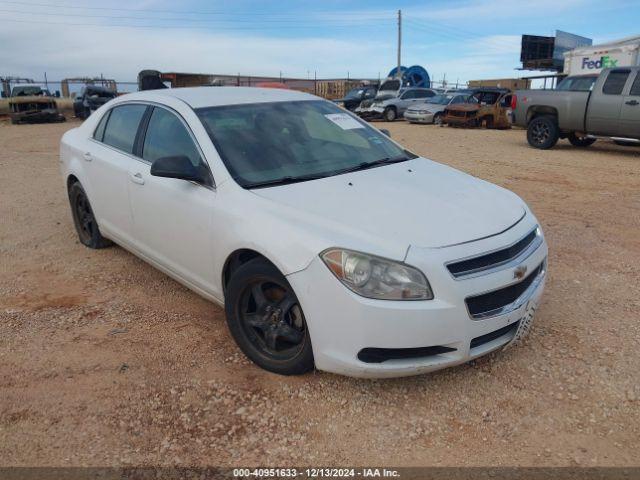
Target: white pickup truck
610, 108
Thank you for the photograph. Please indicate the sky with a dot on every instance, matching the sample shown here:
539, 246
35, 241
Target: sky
462, 39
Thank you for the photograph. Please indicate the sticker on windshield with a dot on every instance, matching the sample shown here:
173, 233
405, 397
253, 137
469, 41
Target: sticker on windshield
344, 121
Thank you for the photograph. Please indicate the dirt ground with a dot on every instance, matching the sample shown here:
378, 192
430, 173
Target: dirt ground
106, 361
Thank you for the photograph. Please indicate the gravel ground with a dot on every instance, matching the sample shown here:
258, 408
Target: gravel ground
106, 361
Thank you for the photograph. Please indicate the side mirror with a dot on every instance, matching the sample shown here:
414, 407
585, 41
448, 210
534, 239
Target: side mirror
386, 132
180, 167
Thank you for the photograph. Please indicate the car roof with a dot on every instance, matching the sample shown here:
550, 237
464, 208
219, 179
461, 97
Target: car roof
200, 97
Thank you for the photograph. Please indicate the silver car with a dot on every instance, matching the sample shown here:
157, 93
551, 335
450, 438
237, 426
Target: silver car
432, 111
390, 107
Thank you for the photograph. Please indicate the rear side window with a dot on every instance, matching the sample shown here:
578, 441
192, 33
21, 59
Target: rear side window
167, 137
99, 133
122, 126
635, 88
615, 82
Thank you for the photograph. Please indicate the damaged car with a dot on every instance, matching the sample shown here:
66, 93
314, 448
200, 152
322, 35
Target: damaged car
488, 107
90, 99
390, 107
432, 111
31, 104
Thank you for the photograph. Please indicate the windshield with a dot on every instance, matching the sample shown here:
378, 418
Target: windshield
355, 93
440, 99
577, 84
293, 141
26, 91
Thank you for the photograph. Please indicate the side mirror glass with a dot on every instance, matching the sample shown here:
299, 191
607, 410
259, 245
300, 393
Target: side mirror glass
386, 132
180, 167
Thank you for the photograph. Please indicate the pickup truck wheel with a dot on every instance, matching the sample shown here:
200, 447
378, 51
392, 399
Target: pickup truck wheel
84, 220
390, 114
543, 132
580, 141
266, 319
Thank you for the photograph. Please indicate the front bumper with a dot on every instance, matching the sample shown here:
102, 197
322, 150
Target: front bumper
369, 112
418, 117
342, 324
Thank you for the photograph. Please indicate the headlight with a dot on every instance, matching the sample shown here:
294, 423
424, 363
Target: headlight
376, 277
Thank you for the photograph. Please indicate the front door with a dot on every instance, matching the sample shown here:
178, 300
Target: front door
603, 115
630, 112
173, 218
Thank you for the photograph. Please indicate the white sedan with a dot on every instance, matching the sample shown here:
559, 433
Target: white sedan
329, 245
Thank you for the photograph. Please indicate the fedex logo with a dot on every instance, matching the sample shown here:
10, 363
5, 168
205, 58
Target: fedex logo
603, 62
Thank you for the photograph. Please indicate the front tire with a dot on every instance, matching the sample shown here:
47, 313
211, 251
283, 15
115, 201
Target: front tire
438, 119
577, 141
543, 132
84, 219
266, 320
390, 114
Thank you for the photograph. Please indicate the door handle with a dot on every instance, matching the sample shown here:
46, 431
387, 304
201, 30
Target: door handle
136, 178
632, 102
87, 156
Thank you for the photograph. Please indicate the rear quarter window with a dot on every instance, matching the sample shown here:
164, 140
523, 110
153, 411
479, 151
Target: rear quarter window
122, 126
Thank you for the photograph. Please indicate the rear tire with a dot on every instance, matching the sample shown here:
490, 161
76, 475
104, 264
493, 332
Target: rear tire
390, 114
84, 220
266, 320
577, 141
543, 132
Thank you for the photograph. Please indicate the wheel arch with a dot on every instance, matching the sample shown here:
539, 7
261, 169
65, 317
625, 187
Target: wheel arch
239, 257
538, 110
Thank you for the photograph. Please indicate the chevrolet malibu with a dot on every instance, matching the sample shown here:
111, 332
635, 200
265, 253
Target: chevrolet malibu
328, 244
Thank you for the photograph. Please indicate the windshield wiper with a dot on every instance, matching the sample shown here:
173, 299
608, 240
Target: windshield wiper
375, 163
283, 181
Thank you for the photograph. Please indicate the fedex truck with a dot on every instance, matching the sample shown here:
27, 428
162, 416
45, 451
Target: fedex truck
592, 59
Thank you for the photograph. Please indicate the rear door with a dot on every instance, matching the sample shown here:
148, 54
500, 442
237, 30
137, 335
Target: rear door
605, 103
172, 218
630, 110
107, 162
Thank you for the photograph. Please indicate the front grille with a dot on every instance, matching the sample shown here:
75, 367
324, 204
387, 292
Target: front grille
482, 339
493, 259
488, 302
366, 103
379, 355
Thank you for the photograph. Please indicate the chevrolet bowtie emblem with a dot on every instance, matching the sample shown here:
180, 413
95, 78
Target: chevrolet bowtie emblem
520, 272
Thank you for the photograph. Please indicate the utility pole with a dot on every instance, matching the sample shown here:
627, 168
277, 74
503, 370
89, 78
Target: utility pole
399, 73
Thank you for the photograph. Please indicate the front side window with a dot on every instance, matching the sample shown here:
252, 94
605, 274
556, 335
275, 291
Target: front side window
122, 126
267, 143
168, 137
614, 84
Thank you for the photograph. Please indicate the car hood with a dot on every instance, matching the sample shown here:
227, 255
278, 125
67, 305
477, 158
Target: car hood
418, 202
429, 107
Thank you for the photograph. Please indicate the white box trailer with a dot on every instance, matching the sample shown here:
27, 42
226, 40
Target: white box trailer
592, 59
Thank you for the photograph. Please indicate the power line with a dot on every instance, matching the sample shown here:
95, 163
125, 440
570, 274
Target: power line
179, 27
381, 14
171, 19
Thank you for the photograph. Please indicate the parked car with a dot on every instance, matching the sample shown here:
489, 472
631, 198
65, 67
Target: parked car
391, 108
91, 98
309, 226
31, 104
352, 100
487, 106
611, 108
432, 111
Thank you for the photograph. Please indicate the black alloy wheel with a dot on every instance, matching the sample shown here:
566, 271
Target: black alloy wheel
543, 132
266, 319
84, 219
